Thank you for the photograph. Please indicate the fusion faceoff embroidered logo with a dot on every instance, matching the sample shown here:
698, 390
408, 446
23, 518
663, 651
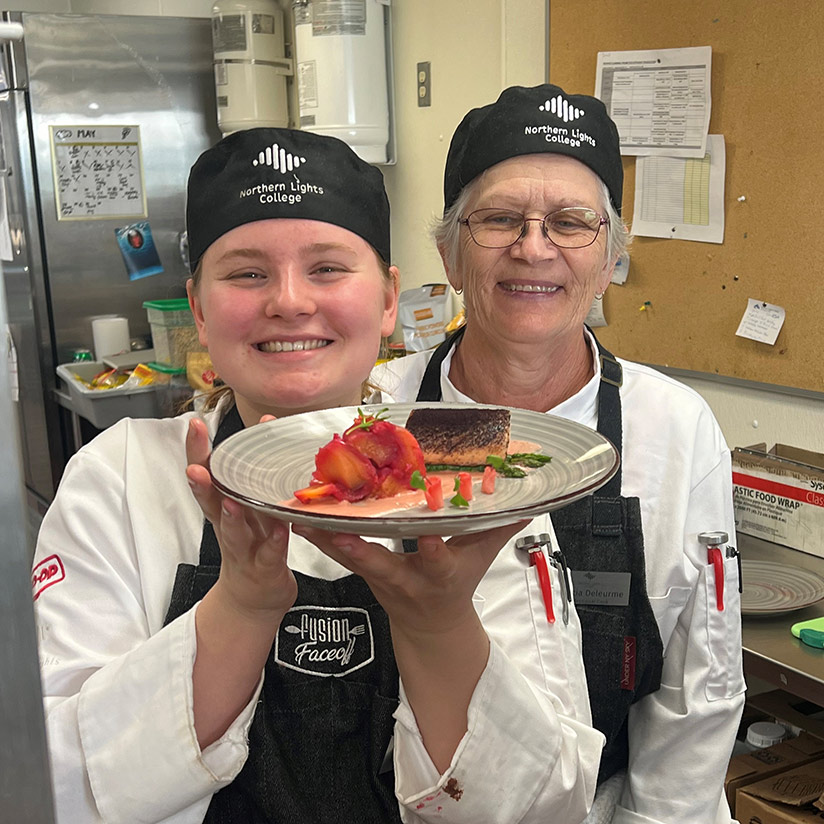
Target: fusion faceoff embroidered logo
325, 641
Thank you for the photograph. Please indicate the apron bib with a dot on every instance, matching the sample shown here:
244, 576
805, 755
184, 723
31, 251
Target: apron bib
324, 717
622, 649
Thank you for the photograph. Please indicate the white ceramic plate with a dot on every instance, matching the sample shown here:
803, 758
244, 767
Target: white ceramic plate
772, 589
263, 465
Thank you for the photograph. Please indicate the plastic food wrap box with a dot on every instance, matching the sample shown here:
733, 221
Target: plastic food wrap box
779, 495
103, 407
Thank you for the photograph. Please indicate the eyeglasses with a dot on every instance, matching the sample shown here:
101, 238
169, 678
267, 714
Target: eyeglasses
571, 228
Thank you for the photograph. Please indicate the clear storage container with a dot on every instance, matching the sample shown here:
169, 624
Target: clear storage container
174, 333
173, 389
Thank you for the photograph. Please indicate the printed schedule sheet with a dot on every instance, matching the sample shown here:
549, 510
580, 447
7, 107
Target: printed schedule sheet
659, 99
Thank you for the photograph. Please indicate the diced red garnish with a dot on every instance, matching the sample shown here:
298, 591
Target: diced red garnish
488, 481
465, 485
433, 492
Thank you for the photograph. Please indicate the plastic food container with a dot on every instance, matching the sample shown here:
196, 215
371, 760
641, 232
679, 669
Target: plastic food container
173, 389
174, 333
103, 407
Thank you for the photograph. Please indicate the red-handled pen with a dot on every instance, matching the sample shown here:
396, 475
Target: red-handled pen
537, 559
715, 558
532, 544
714, 542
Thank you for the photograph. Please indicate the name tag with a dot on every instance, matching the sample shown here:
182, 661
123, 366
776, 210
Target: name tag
608, 589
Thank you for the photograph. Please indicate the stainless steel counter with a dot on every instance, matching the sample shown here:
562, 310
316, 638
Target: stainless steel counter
771, 652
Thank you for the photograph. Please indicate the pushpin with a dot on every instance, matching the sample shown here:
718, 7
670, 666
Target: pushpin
647, 305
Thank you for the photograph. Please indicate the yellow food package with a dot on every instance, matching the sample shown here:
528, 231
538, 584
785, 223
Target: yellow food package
200, 372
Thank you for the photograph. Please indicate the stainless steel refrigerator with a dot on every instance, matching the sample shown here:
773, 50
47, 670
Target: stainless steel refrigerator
101, 118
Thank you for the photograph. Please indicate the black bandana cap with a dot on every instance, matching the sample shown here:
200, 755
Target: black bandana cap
257, 174
532, 121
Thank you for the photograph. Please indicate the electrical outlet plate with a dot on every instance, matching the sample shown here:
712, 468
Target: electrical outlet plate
424, 84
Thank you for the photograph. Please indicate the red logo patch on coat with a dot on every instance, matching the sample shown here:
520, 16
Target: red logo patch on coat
628, 664
48, 572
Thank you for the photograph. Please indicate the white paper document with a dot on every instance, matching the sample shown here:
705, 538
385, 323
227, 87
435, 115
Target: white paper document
681, 198
761, 321
659, 99
621, 270
98, 172
595, 316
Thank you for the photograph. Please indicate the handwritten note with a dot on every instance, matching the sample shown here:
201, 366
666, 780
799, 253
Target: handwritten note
97, 172
761, 321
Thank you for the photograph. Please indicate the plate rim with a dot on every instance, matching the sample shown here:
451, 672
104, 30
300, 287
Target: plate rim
777, 610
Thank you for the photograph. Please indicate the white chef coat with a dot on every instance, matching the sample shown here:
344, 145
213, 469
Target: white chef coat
675, 460
118, 684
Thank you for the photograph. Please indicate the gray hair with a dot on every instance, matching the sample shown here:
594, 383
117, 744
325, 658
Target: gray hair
446, 231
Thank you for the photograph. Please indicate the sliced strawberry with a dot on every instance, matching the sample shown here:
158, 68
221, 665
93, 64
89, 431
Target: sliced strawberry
465, 485
433, 492
488, 482
340, 464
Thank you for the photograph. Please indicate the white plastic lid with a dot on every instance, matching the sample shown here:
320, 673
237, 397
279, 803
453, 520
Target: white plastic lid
765, 734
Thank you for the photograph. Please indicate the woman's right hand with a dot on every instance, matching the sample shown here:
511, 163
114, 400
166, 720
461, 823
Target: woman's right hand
238, 618
254, 576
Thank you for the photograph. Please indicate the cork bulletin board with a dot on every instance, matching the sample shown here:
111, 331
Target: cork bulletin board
768, 102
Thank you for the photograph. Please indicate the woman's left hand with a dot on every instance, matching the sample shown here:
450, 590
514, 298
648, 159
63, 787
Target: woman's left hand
440, 645
424, 591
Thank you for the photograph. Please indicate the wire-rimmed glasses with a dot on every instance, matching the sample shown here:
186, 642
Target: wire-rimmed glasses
571, 228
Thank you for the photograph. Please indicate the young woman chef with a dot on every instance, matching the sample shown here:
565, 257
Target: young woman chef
178, 679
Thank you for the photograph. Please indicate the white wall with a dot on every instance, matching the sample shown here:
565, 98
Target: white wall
476, 49
755, 414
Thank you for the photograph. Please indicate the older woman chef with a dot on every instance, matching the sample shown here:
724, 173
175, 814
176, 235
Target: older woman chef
530, 234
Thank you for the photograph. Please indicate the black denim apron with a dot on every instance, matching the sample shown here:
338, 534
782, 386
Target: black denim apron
622, 648
324, 717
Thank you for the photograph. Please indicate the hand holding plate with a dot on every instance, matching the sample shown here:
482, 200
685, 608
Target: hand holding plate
254, 576
425, 591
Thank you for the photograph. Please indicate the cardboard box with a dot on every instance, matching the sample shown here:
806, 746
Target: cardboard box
790, 797
755, 766
779, 495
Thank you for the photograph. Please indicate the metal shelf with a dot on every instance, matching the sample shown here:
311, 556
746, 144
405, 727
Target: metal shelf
771, 652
